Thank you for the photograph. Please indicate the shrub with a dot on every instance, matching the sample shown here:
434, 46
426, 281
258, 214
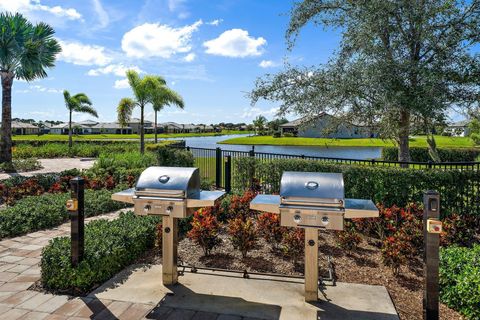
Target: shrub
240, 206
348, 238
419, 154
390, 186
173, 157
460, 280
243, 234
277, 134
109, 247
293, 243
205, 230
459, 229
395, 251
269, 227
288, 135
48, 210
22, 165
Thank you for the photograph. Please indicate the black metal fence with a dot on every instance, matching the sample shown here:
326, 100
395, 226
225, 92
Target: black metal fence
216, 164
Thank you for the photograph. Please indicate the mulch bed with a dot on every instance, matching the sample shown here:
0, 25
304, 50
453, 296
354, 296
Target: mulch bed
362, 265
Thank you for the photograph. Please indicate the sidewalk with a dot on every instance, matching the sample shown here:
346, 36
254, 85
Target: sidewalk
55, 165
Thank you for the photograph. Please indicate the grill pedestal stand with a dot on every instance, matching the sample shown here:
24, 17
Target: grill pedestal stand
311, 264
169, 250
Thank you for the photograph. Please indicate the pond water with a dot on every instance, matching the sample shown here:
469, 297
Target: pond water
330, 152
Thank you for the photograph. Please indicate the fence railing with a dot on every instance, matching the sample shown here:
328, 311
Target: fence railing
216, 164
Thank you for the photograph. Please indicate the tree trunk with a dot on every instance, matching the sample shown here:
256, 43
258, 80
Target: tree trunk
156, 139
403, 133
70, 142
6, 130
142, 132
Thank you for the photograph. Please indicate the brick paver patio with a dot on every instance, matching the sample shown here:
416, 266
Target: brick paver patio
19, 258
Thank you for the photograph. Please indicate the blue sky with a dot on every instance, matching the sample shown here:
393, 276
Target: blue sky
211, 52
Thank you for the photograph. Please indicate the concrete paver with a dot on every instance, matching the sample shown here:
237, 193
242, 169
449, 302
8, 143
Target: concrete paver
54, 165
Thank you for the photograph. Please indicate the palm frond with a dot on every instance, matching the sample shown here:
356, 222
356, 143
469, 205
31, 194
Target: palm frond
165, 96
82, 98
87, 109
124, 110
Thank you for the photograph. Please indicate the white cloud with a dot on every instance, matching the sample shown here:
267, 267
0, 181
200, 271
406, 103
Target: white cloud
121, 84
157, 40
178, 6
118, 70
83, 54
267, 64
190, 57
235, 43
255, 112
38, 88
215, 22
32, 6
102, 15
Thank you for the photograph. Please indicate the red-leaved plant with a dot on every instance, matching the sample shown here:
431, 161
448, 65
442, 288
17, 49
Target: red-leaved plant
243, 234
240, 206
205, 230
293, 243
348, 238
269, 228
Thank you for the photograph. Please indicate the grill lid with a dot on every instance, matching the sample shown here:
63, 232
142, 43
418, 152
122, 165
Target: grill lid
171, 182
312, 188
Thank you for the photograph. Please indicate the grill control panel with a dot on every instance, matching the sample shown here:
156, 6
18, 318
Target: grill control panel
331, 220
145, 206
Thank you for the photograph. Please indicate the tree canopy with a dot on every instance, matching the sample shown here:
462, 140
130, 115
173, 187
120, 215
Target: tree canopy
397, 62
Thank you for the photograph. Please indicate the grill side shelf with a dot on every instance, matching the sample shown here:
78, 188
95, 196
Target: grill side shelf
360, 208
266, 203
124, 196
205, 199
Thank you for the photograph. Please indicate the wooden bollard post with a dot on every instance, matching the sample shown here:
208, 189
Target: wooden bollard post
76, 208
432, 227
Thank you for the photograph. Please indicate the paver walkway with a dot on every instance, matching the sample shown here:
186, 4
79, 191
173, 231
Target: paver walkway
19, 258
55, 165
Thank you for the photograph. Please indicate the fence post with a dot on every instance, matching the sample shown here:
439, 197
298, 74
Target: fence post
77, 225
251, 154
228, 174
431, 232
218, 167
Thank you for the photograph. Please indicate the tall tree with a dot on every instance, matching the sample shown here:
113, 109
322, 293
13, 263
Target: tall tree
144, 91
164, 96
79, 103
26, 51
397, 61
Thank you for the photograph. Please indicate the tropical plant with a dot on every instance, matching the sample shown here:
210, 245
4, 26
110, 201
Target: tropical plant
146, 90
26, 50
79, 103
259, 124
162, 97
398, 61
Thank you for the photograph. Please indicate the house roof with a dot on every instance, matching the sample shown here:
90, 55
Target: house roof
460, 124
109, 125
23, 125
88, 122
137, 120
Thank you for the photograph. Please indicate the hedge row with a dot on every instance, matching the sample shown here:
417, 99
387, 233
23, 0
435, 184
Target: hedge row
419, 154
391, 186
109, 247
48, 210
39, 149
460, 280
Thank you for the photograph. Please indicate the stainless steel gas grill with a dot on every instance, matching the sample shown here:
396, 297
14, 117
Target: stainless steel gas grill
173, 193
313, 201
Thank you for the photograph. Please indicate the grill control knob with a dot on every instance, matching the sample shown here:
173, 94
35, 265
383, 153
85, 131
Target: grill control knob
297, 218
147, 208
325, 220
169, 209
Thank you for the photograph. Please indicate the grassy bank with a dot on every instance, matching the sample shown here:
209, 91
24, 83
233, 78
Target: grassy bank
418, 141
83, 137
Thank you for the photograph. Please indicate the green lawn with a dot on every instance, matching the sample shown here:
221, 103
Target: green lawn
418, 141
64, 137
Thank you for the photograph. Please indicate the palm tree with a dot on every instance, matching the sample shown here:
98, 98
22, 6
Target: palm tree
78, 103
162, 97
259, 124
145, 91
26, 50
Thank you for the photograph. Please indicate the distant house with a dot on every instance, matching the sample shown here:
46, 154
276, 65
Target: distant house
21, 128
134, 124
110, 128
327, 126
458, 129
77, 128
